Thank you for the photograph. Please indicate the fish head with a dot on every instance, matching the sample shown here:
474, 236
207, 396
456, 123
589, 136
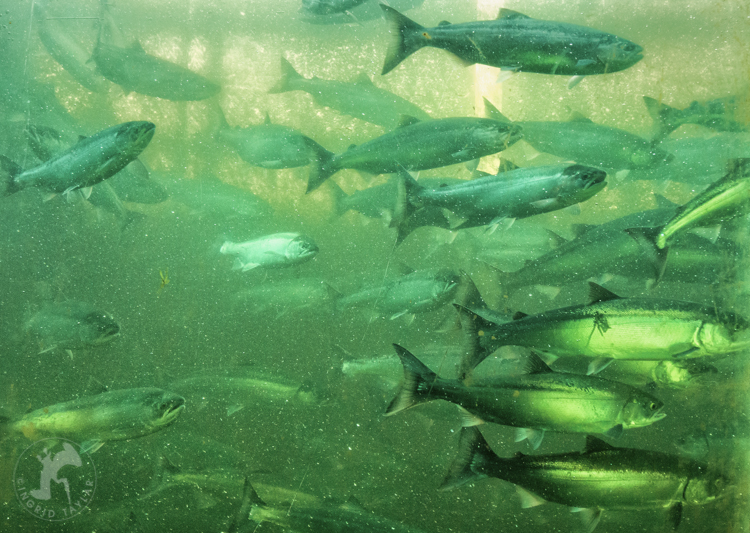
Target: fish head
446, 284
97, 328
679, 374
133, 137
301, 248
581, 183
705, 487
164, 407
641, 410
729, 333
617, 53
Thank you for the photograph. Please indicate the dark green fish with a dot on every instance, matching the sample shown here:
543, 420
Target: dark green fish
420, 291
420, 145
515, 42
129, 66
89, 161
721, 114
271, 145
611, 327
325, 517
360, 99
71, 325
519, 193
538, 398
588, 143
601, 477
92, 420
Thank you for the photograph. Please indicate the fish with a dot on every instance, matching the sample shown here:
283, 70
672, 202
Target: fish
725, 199
537, 400
88, 162
134, 70
611, 327
71, 325
360, 99
270, 145
363, 12
271, 251
208, 195
515, 42
587, 143
346, 518
67, 51
602, 477
419, 291
329, 7
720, 114
93, 420
286, 296
419, 145
608, 250
520, 193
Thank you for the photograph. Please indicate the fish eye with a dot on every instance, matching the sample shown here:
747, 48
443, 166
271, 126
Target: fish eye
653, 406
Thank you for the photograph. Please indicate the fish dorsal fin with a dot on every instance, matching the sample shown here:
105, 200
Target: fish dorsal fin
407, 120
576, 116
662, 202
556, 240
352, 147
490, 111
267, 120
519, 315
594, 444
137, 46
506, 166
510, 14
535, 365
363, 79
403, 269
597, 294
444, 23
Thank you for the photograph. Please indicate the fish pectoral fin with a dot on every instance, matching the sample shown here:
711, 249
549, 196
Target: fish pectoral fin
545, 203
614, 432
461, 155
675, 514
534, 436
548, 290
590, 517
90, 446
399, 314
597, 365
575, 80
468, 419
585, 62
528, 499
686, 352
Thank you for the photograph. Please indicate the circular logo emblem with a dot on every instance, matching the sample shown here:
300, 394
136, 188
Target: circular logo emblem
54, 480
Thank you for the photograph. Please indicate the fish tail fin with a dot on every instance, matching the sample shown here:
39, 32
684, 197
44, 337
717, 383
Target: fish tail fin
666, 119
405, 38
8, 172
322, 168
473, 454
473, 327
340, 205
418, 380
647, 240
288, 76
407, 189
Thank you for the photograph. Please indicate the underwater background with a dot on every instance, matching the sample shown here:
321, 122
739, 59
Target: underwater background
185, 326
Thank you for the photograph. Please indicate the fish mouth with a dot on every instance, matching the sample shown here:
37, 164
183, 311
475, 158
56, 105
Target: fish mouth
172, 410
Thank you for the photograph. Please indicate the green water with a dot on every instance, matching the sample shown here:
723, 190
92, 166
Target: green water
340, 444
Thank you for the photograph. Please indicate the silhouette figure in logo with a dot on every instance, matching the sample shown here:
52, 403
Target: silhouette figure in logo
51, 465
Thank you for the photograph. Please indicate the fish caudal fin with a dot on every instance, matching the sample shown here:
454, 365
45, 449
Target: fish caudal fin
8, 172
473, 454
648, 240
473, 327
288, 76
405, 38
666, 119
321, 168
418, 380
406, 190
